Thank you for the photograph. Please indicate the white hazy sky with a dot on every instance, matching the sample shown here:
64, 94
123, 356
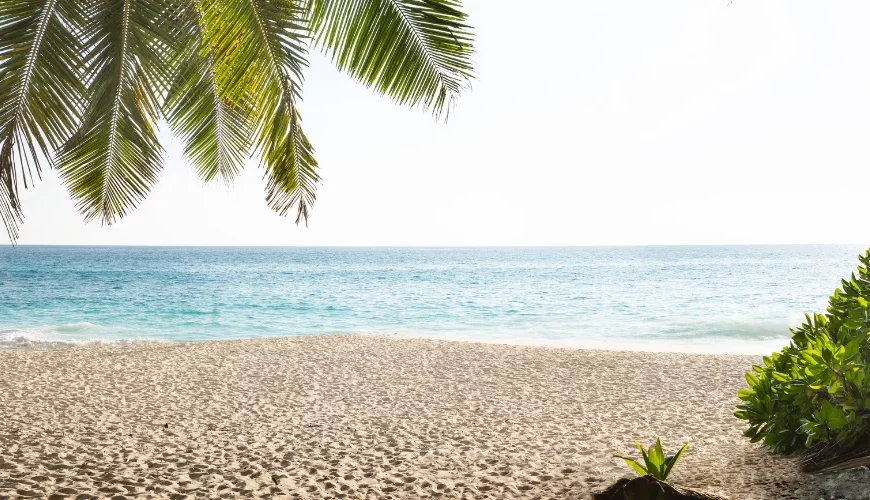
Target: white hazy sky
589, 123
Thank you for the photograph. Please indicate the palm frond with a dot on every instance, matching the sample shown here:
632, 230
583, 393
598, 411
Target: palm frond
40, 91
291, 169
85, 83
10, 207
215, 129
260, 51
416, 51
113, 159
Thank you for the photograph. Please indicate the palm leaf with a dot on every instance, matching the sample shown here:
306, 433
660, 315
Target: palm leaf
415, 51
260, 53
113, 160
215, 129
641, 449
656, 460
672, 460
40, 91
641, 471
291, 169
93, 79
643, 454
10, 208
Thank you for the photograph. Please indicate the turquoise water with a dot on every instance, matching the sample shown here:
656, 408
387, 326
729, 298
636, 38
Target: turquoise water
719, 299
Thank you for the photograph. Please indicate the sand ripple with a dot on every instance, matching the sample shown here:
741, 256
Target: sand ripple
365, 417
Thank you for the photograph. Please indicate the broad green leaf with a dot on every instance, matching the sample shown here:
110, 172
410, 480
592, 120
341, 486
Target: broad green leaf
746, 394
640, 449
836, 419
655, 459
840, 354
751, 379
633, 464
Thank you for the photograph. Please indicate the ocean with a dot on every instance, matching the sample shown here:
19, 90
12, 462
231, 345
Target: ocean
734, 299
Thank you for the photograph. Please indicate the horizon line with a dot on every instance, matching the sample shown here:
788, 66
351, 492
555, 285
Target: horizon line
657, 245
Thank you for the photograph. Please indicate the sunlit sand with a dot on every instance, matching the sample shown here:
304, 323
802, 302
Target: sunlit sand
367, 417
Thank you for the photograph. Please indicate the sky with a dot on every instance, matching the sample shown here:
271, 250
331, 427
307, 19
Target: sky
588, 123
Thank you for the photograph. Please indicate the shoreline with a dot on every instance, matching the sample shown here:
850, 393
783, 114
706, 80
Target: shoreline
732, 348
369, 416
728, 347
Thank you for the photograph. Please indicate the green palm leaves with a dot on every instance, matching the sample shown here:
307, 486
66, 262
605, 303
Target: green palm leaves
40, 91
413, 50
84, 85
114, 158
215, 129
655, 463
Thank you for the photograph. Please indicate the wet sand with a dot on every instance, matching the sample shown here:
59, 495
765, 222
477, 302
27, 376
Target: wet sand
368, 417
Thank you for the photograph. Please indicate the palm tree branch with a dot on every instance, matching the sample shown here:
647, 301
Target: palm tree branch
263, 54
94, 78
19, 100
112, 156
291, 169
111, 162
216, 130
40, 91
416, 51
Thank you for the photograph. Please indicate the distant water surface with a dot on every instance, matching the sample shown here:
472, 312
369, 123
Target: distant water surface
706, 298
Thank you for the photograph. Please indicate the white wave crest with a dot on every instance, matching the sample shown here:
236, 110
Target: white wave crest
68, 335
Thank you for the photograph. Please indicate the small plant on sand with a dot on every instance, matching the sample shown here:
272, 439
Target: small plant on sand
656, 464
814, 395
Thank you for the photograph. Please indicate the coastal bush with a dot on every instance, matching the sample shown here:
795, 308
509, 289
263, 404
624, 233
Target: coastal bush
815, 393
656, 464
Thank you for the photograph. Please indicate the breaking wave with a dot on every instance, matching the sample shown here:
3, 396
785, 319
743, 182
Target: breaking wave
68, 335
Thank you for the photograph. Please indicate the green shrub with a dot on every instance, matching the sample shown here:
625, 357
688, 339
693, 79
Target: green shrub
655, 463
816, 391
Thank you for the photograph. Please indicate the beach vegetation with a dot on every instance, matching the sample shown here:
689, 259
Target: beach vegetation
655, 462
815, 393
83, 86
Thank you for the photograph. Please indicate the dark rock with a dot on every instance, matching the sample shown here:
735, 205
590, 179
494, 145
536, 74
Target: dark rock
649, 488
852, 484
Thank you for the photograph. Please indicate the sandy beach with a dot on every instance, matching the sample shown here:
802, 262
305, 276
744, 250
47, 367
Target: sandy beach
368, 417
